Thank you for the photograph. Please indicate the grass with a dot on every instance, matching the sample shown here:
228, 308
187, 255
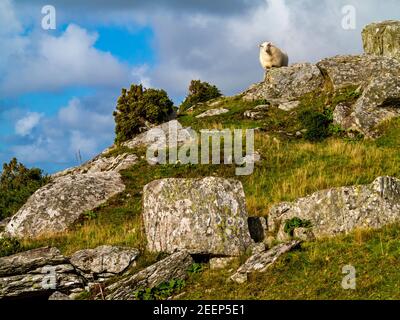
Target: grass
315, 271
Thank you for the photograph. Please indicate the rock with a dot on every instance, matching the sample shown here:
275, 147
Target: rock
59, 204
101, 163
257, 248
341, 210
221, 263
289, 106
258, 228
3, 223
160, 135
174, 266
59, 296
382, 38
203, 216
104, 261
260, 262
37, 272
257, 112
212, 112
357, 70
304, 234
380, 101
287, 83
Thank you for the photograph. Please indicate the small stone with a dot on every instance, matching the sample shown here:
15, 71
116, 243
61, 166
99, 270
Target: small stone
59, 296
221, 263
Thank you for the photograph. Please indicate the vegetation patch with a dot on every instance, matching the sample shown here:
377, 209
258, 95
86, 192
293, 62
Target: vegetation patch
294, 223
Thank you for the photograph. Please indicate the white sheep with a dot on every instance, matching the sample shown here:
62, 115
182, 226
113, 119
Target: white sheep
271, 56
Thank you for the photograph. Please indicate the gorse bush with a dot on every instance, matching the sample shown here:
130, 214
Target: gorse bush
199, 92
138, 106
17, 183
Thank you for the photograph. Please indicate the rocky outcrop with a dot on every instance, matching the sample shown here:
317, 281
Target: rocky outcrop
102, 163
286, 84
357, 70
382, 38
37, 272
341, 210
261, 261
380, 101
59, 204
104, 261
212, 113
174, 266
203, 216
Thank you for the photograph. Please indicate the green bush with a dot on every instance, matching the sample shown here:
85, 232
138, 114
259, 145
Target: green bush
161, 292
318, 124
17, 184
9, 246
294, 223
199, 92
137, 106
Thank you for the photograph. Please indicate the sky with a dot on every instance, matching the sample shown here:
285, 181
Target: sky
58, 88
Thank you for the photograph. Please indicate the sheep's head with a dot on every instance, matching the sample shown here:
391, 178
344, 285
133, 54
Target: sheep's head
266, 47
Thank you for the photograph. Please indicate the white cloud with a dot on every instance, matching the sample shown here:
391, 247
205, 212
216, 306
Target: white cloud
70, 59
24, 126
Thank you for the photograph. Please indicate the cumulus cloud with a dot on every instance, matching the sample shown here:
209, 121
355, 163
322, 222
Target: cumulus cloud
58, 62
24, 126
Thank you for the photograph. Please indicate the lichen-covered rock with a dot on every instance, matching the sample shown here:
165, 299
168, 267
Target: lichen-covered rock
341, 210
56, 296
261, 261
286, 83
221, 263
380, 101
37, 272
212, 113
160, 135
203, 216
59, 204
382, 38
357, 70
103, 261
102, 163
174, 266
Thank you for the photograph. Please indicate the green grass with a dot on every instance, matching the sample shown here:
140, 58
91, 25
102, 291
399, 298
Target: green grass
315, 271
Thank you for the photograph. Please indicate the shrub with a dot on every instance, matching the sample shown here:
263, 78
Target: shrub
17, 184
9, 246
199, 92
162, 291
136, 107
318, 124
294, 223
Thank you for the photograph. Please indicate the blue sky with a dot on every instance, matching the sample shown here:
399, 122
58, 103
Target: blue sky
58, 88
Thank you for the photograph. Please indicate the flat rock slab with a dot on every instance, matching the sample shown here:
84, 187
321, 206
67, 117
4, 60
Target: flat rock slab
212, 113
202, 216
344, 71
37, 272
104, 260
59, 204
173, 267
261, 261
342, 210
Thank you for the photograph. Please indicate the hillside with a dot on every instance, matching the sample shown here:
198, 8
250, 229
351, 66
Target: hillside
317, 130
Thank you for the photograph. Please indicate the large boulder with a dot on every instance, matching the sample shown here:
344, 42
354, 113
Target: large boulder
173, 267
382, 38
341, 210
380, 101
357, 70
203, 216
104, 261
286, 83
59, 204
37, 272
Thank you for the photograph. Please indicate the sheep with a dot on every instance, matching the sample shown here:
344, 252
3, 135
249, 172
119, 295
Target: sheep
271, 56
